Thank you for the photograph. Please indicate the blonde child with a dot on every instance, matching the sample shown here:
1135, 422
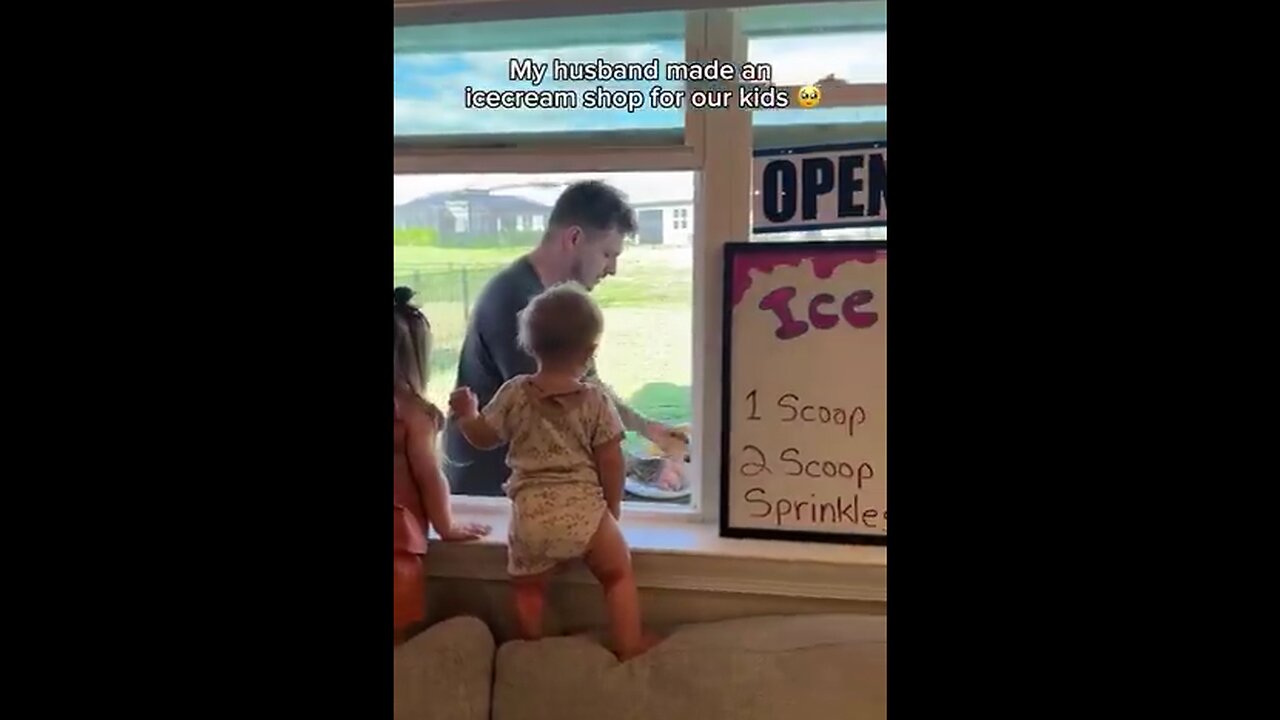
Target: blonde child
420, 494
564, 449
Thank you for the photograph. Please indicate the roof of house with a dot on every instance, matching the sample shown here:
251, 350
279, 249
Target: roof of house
480, 198
661, 203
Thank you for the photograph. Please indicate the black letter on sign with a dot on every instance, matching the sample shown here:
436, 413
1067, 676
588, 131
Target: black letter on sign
755, 467
864, 473
849, 185
819, 179
779, 207
767, 507
878, 175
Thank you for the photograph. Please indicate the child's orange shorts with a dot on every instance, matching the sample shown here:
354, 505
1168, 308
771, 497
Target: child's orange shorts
409, 580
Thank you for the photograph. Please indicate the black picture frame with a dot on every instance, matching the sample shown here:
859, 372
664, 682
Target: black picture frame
806, 150
732, 251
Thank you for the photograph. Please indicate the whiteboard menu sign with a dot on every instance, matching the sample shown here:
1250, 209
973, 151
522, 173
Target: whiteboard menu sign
820, 187
804, 441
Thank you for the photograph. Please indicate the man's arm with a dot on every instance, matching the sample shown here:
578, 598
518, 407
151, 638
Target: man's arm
631, 420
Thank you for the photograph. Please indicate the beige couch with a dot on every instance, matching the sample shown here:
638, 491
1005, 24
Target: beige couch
807, 666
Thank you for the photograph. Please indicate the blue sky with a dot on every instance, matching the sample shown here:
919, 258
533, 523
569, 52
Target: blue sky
429, 88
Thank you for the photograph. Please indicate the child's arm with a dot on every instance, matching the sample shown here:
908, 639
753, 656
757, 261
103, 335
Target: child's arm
606, 444
611, 467
432, 485
479, 432
479, 429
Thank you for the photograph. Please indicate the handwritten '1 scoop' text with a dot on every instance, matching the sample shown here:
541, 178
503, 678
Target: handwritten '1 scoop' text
792, 409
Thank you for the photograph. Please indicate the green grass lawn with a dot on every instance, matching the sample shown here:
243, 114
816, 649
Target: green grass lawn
646, 353
409, 257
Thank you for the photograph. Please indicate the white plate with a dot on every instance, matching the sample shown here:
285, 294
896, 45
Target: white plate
653, 492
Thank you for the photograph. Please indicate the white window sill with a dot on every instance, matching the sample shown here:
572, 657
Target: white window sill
672, 551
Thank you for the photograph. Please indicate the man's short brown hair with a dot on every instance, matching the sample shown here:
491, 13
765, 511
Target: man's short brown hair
594, 206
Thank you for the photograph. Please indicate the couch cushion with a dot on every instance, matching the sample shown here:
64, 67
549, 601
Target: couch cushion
445, 672
808, 666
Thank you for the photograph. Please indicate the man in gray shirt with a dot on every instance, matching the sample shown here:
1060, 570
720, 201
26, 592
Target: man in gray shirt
582, 242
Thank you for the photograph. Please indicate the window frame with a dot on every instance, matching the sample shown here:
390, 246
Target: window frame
619, 150
716, 146
441, 12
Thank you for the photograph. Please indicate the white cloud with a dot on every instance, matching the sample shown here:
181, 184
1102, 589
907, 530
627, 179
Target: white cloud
855, 57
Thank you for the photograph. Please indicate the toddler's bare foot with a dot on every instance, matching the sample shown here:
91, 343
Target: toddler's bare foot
647, 642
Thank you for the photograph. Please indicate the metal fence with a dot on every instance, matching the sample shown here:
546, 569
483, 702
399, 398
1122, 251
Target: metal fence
447, 283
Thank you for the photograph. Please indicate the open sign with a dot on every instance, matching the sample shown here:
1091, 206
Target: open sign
820, 187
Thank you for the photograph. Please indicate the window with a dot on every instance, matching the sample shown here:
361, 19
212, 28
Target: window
826, 43
804, 44
474, 186
853, 233
647, 352
434, 65
459, 212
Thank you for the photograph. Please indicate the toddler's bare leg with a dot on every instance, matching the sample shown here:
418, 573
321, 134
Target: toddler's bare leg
530, 594
610, 561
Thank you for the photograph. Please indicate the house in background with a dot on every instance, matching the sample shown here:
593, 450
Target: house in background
664, 222
472, 213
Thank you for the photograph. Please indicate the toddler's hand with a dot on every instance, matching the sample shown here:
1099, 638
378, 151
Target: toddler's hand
463, 403
465, 531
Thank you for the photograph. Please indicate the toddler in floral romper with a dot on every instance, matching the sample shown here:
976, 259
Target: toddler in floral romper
564, 449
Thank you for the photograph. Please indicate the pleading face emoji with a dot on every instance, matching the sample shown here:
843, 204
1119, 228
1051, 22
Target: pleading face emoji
809, 96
